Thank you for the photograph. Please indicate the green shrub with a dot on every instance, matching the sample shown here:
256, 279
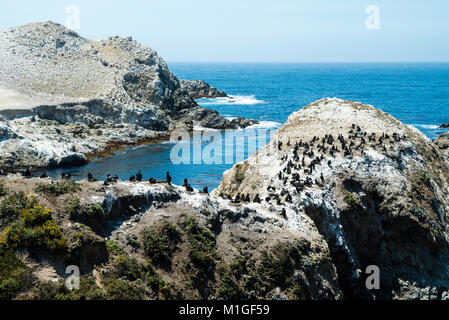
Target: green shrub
275, 268
35, 228
239, 174
3, 189
113, 248
95, 212
59, 188
132, 241
129, 280
202, 245
91, 215
12, 206
229, 289
350, 200
88, 290
238, 266
160, 244
15, 276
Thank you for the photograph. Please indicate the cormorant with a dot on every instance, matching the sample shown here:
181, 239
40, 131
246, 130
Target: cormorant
169, 178
139, 176
66, 175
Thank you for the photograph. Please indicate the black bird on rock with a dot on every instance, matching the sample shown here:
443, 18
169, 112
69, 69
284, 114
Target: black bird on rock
139, 176
206, 190
90, 177
257, 198
44, 175
27, 173
66, 176
169, 178
132, 178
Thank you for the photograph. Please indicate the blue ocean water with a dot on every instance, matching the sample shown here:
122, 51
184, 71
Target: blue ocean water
417, 94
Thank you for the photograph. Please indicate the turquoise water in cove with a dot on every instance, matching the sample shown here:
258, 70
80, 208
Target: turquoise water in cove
417, 94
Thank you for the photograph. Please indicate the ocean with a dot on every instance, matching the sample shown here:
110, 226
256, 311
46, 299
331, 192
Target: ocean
416, 94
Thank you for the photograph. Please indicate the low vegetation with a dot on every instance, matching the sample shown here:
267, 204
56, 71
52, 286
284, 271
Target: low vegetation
350, 200
160, 244
35, 229
15, 276
3, 189
59, 188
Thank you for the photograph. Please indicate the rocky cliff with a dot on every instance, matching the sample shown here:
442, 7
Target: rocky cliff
372, 187
53, 81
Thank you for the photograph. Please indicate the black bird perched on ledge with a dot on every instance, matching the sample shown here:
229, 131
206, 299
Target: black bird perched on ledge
186, 182
66, 175
44, 175
27, 173
132, 178
139, 176
206, 190
90, 177
169, 178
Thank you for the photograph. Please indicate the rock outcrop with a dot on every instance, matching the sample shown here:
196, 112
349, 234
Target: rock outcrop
268, 258
52, 81
372, 187
200, 89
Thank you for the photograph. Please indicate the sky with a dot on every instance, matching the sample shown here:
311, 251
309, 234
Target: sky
256, 30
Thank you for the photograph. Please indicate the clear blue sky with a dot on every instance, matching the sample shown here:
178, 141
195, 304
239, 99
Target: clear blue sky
257, 30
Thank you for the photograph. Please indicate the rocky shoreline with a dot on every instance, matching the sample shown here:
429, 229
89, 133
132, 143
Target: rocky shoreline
64, 97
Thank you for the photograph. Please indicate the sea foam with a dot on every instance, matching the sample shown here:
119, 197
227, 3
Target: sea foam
231, 100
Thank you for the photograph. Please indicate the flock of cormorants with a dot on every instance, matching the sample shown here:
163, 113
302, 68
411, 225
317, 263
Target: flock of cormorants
111, 179
306, 157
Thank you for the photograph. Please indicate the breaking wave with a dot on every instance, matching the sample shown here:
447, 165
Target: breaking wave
231, 100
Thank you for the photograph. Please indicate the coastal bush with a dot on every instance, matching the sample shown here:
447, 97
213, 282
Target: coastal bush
238, 266
129, 280
160, 244
34, 228
202, 256
113, 248
15, 276
88, 290
3, 189
92, 215
11, 206
202, 245
350, 200
239, 174
275, 268
59, 188
229, 288
132, 241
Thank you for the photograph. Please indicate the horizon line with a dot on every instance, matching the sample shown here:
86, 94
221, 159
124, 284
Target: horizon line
311, 62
